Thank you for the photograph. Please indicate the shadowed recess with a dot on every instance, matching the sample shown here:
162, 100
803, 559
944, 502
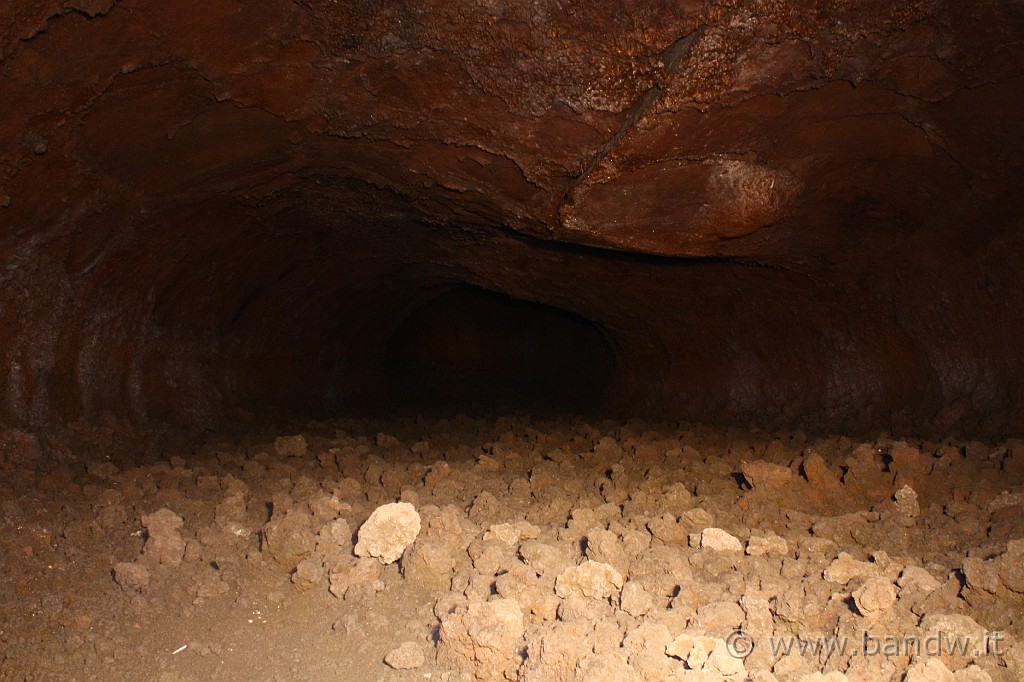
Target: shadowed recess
474, 351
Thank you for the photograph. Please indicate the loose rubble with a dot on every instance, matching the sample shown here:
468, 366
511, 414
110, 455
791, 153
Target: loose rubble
518, 550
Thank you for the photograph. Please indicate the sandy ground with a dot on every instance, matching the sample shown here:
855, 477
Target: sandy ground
508, 549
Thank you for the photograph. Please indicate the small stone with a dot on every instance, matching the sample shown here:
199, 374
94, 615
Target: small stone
389, 530
288, 538
309, 573
163, 542
845, 568
131, 577
818, 473
917, 578
504, 532
761, 474
771, 544
544, 558
697, 517
291, 446
720, 616
723, 662
666, 529
366, 573
906, 502
875, 597
719, 540
591, 579
692, 648
980, 575
407, 656
635, 600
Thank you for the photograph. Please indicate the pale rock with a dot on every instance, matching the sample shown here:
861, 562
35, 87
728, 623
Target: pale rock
845, 568
906, 502
407, 656
506, 533
719, 540
719, 616
875, 597
917, 578
389, 530
694, 649
723, 662
634, 599
697, 517
591, 579
960, 637
769, 544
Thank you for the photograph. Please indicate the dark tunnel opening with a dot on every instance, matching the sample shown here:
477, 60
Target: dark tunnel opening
475, 351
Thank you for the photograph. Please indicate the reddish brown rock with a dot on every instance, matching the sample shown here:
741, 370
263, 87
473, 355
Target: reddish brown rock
164, 544
777, 212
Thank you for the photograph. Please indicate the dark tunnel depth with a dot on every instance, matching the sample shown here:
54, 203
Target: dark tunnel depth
475, 351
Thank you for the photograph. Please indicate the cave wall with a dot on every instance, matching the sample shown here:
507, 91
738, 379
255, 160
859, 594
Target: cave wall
788, 213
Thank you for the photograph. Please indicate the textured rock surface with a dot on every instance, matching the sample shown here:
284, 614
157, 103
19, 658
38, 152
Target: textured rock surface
591, 579
389, 530
484, 637
790, 210
407, 656
164, 544
875, 597
719, 540
539, 558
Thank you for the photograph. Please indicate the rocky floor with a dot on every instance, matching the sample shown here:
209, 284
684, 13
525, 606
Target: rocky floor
508, 549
